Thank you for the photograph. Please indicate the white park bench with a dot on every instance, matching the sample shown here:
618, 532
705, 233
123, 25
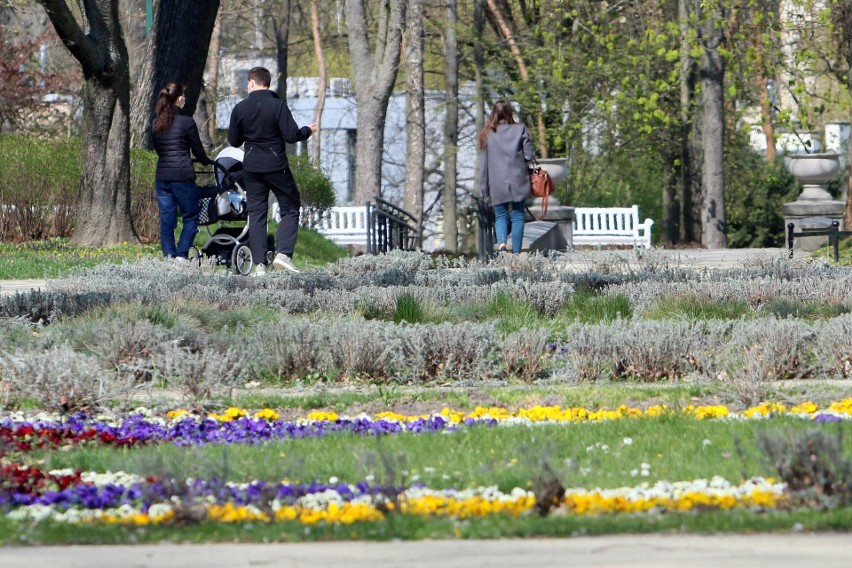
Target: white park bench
611, 226
342, 225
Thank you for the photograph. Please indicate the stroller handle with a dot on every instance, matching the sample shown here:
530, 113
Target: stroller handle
215, 163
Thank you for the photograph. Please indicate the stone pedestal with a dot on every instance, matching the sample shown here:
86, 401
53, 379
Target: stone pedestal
561, 215
811, 215
814, 209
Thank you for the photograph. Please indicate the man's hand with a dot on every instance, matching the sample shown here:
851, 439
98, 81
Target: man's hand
313, 127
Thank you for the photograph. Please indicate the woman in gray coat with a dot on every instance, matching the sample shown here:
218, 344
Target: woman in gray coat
505, 148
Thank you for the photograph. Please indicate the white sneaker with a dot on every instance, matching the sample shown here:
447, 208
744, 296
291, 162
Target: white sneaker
181, 262
283, 262
259, 270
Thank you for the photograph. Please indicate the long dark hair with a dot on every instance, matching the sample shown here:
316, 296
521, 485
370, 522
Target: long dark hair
167, 106
502, 113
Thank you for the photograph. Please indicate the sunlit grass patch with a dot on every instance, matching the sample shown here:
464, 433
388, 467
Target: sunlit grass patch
56, 257
692, 308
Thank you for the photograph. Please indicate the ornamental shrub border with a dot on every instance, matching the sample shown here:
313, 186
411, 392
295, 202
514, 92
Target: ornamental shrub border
162, 344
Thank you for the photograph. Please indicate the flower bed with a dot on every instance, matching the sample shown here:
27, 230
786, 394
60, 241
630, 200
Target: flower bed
86, 497
240, 426
27, 493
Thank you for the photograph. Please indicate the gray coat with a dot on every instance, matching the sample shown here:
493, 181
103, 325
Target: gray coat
503, 164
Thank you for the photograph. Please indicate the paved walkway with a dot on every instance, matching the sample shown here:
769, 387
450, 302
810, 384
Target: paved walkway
687, 258
12, 286
826, 550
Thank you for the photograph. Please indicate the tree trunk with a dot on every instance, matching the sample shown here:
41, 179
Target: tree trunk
415, 123
847, 213
842, 16
763, 89
684, 188
141, 111
470, 232
766, 120
103, 203
202, 120
375, 74
103, 200
212, 87
479, 79
670, 203
451, 128
281, 27
712, 73
182, 30
316, 139
140, 47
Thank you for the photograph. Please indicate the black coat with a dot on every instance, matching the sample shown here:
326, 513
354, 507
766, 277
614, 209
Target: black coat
173, 147
265, 124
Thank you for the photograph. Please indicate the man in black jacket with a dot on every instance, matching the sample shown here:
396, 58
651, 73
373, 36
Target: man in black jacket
264, 123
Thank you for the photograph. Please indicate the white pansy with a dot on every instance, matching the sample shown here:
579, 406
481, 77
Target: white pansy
111, 478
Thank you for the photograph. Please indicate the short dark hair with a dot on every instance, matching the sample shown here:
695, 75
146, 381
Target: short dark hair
261, 76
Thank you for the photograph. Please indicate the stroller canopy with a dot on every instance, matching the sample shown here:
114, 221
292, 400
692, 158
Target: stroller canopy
230, 168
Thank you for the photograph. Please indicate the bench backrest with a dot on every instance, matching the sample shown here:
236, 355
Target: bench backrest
342, 225
337, 220
606, 220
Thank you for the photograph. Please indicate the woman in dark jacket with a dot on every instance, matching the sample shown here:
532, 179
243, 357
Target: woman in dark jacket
175, 135
505, 148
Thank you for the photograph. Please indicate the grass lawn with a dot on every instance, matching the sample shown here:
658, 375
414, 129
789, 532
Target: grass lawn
844, 248
607, 454
583, 455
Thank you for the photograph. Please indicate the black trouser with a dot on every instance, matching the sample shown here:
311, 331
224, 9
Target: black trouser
284, 188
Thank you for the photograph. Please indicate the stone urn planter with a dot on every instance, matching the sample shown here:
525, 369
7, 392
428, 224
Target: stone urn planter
814, 171
814, 209
556, 167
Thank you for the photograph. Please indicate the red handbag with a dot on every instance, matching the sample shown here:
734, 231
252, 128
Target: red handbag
542, 186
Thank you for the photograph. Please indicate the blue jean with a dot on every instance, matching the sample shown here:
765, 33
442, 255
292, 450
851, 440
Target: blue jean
171, 196
501, 223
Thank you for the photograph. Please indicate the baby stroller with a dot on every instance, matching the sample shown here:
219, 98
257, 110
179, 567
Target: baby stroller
223, 203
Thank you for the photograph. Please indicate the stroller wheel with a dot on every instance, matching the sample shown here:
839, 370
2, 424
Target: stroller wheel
194, 256
241, 260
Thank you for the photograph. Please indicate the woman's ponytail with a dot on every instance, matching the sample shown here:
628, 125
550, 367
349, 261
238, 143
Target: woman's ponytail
166, 106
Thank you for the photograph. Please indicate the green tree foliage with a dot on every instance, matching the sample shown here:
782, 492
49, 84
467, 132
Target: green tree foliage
754, 193
316, 189
608, 79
